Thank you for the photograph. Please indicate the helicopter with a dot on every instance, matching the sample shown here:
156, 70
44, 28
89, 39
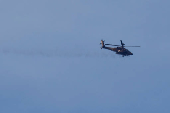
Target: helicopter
120, 49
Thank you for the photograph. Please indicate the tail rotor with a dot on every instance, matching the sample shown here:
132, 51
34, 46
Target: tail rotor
102, 43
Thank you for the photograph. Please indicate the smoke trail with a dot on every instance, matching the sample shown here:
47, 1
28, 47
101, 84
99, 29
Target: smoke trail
55, 53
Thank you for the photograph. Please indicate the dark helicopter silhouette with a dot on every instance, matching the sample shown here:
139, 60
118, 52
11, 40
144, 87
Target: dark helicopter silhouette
120, 49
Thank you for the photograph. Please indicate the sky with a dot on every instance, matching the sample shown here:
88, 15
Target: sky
51, 61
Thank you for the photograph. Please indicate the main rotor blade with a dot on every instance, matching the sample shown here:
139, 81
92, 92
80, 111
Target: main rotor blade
131, 46
112, 45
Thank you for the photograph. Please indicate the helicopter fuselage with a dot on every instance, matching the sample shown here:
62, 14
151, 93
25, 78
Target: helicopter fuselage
119, 50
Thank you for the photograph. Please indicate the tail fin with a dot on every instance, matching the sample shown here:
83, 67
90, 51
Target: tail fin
102, 42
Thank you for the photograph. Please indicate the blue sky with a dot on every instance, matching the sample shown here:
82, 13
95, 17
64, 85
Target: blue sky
51, 59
